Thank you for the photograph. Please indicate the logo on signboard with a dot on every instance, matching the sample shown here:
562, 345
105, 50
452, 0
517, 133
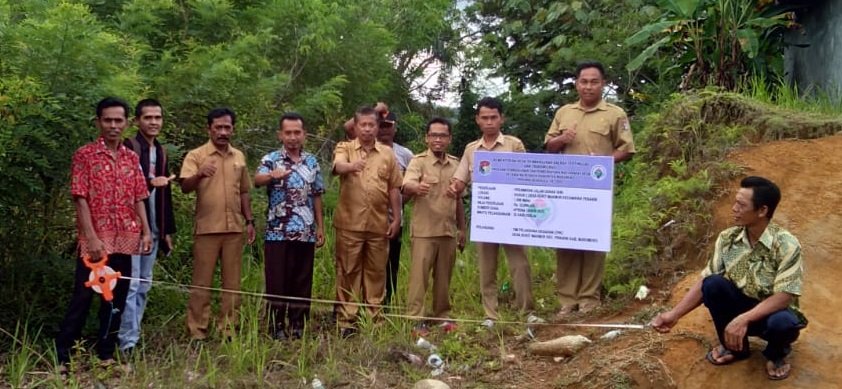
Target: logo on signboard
485, 167
598, 172
539, 211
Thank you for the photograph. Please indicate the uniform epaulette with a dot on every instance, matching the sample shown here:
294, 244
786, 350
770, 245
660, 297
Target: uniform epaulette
614, 107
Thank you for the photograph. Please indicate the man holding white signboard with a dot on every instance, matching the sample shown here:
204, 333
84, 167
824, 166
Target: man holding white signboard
592, 127
490, 119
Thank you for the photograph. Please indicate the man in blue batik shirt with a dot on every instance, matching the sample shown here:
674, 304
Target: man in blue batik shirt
294, 226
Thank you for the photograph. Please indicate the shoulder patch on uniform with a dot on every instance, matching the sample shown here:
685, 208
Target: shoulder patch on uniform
624, 122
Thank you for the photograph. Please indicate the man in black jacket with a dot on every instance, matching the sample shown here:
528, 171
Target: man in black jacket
149, 118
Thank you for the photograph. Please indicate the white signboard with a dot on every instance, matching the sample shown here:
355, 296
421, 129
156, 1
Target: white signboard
547, 200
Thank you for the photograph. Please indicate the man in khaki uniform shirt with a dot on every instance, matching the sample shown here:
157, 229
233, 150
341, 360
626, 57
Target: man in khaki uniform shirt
218, 173
588, 127
490, 120
369, 186
438, 222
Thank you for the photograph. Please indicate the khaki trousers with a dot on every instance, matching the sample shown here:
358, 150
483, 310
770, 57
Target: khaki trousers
207, 249
435, 255
520, 272
360, 273
579, 275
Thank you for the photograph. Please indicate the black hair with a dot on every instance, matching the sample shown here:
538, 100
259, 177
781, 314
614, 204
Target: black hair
590, 64
292, 116
366, 111
438, 120
110, 102
138, 109
217, 113
765, 192
491, 103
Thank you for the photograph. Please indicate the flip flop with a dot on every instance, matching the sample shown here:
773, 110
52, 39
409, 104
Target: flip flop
778, 363
724, 352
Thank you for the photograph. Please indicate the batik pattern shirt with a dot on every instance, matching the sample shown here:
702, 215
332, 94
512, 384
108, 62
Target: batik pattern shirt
112, 184
773, 265
291, 212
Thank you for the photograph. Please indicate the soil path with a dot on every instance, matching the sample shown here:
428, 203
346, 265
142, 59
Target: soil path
810, 176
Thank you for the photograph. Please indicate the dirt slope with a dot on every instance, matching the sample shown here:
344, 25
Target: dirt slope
810, 176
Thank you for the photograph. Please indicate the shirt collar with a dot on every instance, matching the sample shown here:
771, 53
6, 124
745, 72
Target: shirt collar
378, 147
212, 149
766, 238
283, 154
430, 154
103, 148
602, 106
497, 140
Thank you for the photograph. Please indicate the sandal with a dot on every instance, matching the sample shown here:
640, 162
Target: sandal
63, 371
777, 364
723, 352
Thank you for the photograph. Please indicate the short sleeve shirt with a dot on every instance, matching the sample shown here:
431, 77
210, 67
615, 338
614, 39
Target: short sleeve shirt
364, 196
505, 143
112, 186
773, 265
291, 212
433, 215
403, 155
599, 131
218, 206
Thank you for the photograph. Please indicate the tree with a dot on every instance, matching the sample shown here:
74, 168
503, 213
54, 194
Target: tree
717, 42
535, 45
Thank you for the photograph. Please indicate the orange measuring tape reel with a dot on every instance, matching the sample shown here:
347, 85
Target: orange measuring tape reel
103, 278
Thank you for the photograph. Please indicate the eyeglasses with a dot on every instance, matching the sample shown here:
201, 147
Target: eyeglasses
438, 135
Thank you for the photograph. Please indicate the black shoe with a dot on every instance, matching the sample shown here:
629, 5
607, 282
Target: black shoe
279, 335
296, 333
347, 332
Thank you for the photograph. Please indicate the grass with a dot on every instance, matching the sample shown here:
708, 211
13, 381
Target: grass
252, 359
678, 170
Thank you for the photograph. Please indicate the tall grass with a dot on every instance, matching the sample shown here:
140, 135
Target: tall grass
788, 96
674, 176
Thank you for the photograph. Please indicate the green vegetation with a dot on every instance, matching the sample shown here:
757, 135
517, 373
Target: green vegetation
680, 168
323, 58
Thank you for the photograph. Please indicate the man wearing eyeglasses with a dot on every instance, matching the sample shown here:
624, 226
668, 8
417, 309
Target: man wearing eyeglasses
438, 225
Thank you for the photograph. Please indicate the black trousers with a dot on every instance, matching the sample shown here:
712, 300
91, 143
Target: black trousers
725, 302
80, 303
392, 266
288, 269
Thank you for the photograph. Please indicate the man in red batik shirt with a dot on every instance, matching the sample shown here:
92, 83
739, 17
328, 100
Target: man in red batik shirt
108, 190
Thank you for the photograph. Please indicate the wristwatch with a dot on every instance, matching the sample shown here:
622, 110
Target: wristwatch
249, 222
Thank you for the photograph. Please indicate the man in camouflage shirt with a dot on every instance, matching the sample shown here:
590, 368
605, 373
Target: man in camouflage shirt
751, 285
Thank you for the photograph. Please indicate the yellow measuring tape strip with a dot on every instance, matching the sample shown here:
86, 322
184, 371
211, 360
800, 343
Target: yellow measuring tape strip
389, 307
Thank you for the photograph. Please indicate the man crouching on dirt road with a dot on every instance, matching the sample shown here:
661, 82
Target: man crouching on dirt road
751, 285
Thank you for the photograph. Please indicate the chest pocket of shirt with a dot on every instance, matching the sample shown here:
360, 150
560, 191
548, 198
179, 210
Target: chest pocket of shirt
238, 173
601, 127
382, 177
